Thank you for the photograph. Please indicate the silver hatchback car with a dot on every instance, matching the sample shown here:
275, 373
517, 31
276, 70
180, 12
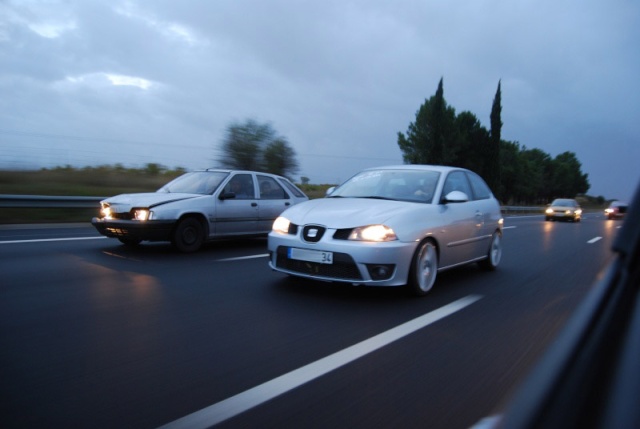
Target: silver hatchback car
391, 226
199, 206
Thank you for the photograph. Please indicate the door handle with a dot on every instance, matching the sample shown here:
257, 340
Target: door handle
254, 204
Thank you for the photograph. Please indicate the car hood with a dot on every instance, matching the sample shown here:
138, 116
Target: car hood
125, 202
345, 212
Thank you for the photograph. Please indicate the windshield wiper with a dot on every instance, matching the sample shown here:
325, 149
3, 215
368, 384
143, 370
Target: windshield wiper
377, 197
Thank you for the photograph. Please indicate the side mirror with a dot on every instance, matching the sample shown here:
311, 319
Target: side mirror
226, 196
330, 191
456, 197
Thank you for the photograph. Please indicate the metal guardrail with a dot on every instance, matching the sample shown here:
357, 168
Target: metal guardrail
48, 202
521, 210
45, 201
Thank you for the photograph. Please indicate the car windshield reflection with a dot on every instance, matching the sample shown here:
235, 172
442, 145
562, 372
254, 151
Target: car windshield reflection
401, 185
198, 182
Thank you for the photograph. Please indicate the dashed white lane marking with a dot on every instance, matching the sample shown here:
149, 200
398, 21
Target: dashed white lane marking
40, 240
509, 227
253, 397
240, 258
593, 240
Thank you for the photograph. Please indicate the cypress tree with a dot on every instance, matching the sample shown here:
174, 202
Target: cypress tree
492, 161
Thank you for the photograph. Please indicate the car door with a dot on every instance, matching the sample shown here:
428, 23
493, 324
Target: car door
274, 199
237, 207
488, 209
463, 223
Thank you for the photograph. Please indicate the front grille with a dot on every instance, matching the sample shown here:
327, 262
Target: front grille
343, 267
122, 216
342, 234
313, 233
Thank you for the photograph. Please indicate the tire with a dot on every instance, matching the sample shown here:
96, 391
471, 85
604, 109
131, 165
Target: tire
131, 242
188, 235
494, 254
424, 268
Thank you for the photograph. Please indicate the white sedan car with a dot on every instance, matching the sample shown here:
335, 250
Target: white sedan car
391, 226
199, 206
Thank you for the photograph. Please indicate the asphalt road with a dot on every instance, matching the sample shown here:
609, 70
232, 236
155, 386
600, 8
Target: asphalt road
94, 334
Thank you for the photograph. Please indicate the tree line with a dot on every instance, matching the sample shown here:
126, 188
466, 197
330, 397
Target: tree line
516, 175
438, 136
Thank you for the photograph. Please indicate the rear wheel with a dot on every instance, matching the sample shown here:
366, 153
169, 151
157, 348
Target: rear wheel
424, 268
494, 254
188, 235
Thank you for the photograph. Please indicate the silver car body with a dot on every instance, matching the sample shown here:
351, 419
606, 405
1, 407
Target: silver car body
205, 195
462, 231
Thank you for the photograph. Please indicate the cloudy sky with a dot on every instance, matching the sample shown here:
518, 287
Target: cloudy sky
91, 82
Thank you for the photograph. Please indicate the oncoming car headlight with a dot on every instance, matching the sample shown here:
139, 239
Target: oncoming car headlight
142, 214
373, 233
281, 225
549, 210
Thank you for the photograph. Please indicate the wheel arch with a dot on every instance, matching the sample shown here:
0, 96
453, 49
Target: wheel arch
196, 215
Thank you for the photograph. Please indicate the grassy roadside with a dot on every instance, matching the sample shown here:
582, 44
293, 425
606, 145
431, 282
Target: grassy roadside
105, 181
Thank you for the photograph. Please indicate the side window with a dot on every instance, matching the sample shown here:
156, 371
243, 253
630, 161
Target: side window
242, 186
457, 181
481, 190
270, 189
292, 188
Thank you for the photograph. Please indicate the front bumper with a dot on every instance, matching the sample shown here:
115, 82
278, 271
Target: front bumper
153, 230
563, 216
353, 262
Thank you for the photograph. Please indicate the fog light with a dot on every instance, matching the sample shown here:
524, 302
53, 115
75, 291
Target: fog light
380, 271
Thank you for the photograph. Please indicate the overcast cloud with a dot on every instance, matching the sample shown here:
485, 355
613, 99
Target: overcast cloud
135, 82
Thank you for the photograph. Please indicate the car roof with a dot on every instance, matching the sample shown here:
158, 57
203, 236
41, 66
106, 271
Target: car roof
417, 167
226, 170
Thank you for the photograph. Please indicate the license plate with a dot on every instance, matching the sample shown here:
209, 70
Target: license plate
310, 255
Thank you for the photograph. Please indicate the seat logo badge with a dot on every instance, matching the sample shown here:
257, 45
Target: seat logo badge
312, 233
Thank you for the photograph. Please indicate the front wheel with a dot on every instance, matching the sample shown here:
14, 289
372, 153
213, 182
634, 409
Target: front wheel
188, 235
424, 269
494, 254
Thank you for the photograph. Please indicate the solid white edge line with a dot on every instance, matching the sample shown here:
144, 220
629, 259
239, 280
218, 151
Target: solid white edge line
255, 396
593, 240
40, 240
509, 227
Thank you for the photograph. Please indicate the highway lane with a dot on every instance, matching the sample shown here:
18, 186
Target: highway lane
96, 334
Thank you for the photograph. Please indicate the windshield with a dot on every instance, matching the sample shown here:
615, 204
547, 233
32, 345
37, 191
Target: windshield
564, 203
197, 182
402, 185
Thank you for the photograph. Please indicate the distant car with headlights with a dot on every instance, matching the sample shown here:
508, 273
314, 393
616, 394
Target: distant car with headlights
199, 206
391, 226
616, 210
563, 209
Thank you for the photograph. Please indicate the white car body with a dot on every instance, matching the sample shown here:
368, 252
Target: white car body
203, 208
461, 230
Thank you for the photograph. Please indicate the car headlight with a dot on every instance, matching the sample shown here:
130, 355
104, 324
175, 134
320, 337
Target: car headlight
608, 210
142, 214
549, 210
373, 233
106, 212
281, 225
578, 212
